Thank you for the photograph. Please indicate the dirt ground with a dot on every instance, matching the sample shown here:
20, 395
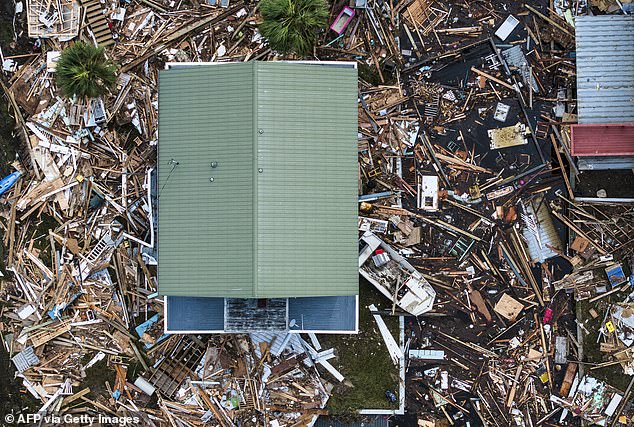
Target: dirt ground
617, 183
12, 395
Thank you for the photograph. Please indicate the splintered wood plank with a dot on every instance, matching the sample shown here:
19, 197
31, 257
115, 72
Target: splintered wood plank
390, 342
45, 336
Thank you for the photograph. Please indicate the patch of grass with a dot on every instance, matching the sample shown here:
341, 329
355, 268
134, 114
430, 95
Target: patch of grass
13, 395
8, 144
613, 374
6, 32
364, 360
8, 147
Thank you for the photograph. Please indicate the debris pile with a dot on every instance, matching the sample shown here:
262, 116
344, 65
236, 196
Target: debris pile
467, 183
469, 221
82, 302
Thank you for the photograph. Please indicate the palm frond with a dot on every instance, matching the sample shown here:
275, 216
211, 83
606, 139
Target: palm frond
83, 70
291, 25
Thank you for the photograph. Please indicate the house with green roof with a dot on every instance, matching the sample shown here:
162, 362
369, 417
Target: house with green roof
257, 204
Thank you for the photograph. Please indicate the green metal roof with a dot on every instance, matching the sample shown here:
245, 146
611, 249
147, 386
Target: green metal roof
280, 217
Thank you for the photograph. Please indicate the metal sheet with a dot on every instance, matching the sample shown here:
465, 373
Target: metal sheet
606, 163
194, 314
368, 421
602, 139
206, 233
539, 249
323, 313
279, 218
605, 68
280, 340
307, 190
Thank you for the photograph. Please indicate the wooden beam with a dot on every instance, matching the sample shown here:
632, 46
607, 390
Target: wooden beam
562, 168
495, 79
392, 347
547, 19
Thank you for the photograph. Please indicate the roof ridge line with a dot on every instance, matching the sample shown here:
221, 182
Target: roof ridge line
254, 166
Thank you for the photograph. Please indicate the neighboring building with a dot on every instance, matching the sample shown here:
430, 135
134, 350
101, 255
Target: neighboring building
258, 197
605, 92
610, 139
53, 19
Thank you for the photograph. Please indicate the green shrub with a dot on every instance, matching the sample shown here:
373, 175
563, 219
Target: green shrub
83, 70
291, 25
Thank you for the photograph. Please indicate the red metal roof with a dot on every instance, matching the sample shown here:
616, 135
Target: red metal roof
605, 139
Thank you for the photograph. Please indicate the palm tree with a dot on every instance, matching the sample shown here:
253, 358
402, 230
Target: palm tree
291, 25
83, 70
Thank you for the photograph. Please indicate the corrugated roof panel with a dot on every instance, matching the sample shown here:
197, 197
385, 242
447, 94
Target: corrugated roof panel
602, 139
323, 313
206, 228
606, 163
368, 421
540, 249
310, 314
287, 231
605, 68
195, 314
281, 341
307, 190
